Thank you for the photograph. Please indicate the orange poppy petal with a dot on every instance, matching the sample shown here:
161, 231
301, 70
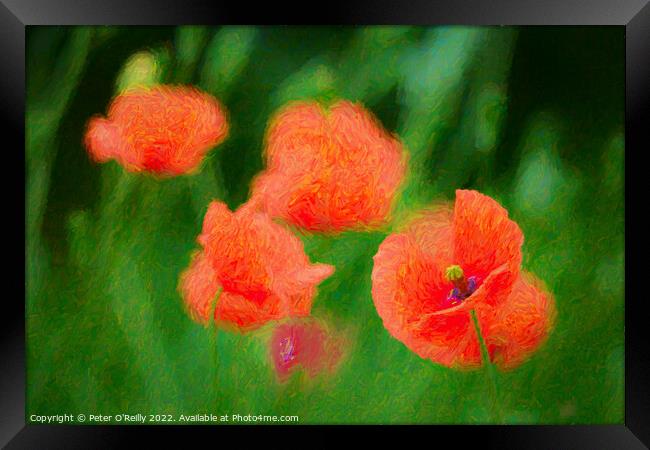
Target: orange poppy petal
408, 289
493, 291
329, 170
449, 339
199, 286
103, 139
238, 312
410, 286
431, 230
218, 216
521, 324
166, 130
484, 237
293, 127
260, 265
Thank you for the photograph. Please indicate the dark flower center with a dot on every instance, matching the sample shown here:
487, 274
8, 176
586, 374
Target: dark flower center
286, 350
463, 287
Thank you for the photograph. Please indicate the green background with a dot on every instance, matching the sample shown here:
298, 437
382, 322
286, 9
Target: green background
530, 116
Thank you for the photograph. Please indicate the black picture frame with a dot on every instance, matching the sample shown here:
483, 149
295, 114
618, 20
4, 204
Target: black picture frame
634, 15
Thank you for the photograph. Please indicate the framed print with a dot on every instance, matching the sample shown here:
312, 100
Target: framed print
403, 216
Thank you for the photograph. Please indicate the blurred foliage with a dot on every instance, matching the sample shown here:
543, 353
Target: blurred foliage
531, 116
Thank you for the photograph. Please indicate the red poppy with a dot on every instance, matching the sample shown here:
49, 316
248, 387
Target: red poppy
329, 170
165, 130
258, 269
447, 262
304, 344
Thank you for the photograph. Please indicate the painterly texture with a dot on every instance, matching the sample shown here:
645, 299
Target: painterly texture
428, 307
330, 169
530, 116
257, 269
305, 345
164, 130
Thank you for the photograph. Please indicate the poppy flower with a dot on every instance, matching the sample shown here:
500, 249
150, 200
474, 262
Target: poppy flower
164, 130
304, 344
449, 261
329, 170
257, 269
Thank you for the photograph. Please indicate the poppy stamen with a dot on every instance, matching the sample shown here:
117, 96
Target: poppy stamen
463, 287
286, 351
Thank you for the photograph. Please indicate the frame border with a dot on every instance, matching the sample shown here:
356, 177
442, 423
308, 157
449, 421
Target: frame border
15, 15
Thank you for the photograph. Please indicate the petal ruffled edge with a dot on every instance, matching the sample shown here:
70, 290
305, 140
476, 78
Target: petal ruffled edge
300, 118
293, 283
199, 287
217, 215
446, 337
237, 313
484, 237
521, 324
102, 139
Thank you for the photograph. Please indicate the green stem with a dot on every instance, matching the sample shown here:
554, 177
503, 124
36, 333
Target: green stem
485, 356
213, 308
